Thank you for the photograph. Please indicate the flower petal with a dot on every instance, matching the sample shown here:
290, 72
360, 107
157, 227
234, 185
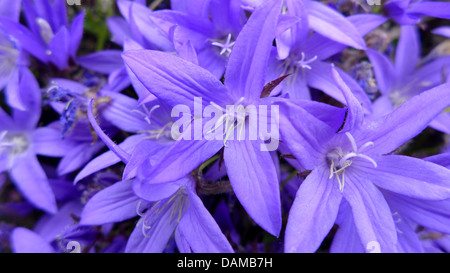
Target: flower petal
200, 229
26, 241
246, 66
173, 79
113, 204
31, 180
372, 216
313, 212
408, 176
391, 131
258, 192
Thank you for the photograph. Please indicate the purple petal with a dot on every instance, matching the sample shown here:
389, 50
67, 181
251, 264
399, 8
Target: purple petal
78, 156
355, 113
59, 48
47, 141
346, 239
119, 112
51, 226
10, 9
181, 158
32, 101
200, 229
393, 130
383, 69
113, 204
27, 40
333, 25
373, 218
259, 193
246, 67
32, 181
409, 176
105, 61
408, 51
76, 33
26, 241
428, 8
430, 214
119, 29
313, 213
174, 80
444, 31
227, 16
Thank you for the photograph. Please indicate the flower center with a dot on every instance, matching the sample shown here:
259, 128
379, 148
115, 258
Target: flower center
13, 143
225, 45
234, 117
176, 205
292, 65
340, 159
159, 130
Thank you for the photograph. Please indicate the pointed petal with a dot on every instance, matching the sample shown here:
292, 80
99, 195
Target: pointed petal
258, 193
105, 61
246, 67
26, 241
383, 69
32, 101
200, 229
113, 204
76, 33
47, 141
333, 25
78, 156
119, 29
430, 214
393, 130
346, 239
408, 51
59, 48
174, 80
439, 9
373, 218
32, 182
313, 213
355, 113
444, 31
123, 155
409, 176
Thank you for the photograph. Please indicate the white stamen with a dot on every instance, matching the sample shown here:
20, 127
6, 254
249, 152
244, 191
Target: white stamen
225, 46
305, 63
340, 160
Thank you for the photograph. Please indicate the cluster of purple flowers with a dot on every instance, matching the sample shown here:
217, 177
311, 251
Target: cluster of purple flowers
93, 157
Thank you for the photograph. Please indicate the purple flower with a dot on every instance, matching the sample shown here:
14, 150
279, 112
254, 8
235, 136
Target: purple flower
407, 76
211, 27
49, 37
353, 164
408, 12
21, 141
305, 56
165, 209
175, 81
